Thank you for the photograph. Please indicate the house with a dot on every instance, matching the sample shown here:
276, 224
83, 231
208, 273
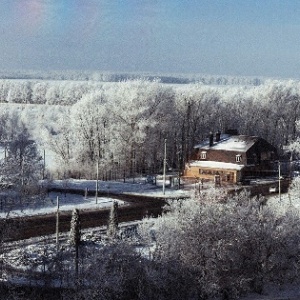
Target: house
231, 158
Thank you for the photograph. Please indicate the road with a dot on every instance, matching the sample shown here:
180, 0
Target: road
41, 225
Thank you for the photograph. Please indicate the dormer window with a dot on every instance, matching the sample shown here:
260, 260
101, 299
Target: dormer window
203, 155
238, 158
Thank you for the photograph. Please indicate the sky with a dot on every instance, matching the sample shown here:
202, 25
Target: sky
214, 37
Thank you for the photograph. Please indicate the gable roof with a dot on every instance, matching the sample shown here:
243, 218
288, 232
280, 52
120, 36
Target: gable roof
237, 143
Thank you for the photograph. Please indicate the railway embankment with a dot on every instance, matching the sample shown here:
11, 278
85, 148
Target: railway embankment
136, 207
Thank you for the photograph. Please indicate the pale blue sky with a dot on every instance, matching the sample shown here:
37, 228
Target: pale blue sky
224, 37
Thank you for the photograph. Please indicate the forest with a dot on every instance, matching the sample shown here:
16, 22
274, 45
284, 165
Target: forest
122, 125
212, 246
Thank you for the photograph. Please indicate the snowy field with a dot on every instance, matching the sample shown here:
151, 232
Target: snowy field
67, 201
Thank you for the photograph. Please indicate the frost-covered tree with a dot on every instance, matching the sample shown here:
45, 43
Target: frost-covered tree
140, 122
230, 247
75, 231
197, 113
56, 136
39, 91
91, 125
113, 223
19, 92
124, 124
119, 271
294, 191
75, 237
22, 166
282, 104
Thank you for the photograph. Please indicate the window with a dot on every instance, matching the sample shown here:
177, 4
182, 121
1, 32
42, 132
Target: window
238, 158
203, 155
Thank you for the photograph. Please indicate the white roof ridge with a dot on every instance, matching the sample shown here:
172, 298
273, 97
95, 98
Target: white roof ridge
215, 164
240, 143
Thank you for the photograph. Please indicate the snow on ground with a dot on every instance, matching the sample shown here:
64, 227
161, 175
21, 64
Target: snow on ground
67, 202
32, 251
137, 186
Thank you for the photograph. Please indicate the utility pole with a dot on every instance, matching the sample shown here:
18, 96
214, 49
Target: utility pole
178, 162
22, 171
165, 163
97, 177
279, 181
57, 223
44, 164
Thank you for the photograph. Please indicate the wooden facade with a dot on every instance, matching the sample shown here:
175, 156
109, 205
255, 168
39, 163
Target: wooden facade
231, 158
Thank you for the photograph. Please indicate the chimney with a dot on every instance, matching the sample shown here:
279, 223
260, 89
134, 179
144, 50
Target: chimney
211, 139
218, 136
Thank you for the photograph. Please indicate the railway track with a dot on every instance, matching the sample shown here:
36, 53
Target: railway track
20, 228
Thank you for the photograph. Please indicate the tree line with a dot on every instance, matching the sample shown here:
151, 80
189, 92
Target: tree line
122, 126
117, 77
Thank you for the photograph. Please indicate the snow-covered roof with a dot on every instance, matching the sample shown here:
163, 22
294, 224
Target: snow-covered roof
227, 142
215, 165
